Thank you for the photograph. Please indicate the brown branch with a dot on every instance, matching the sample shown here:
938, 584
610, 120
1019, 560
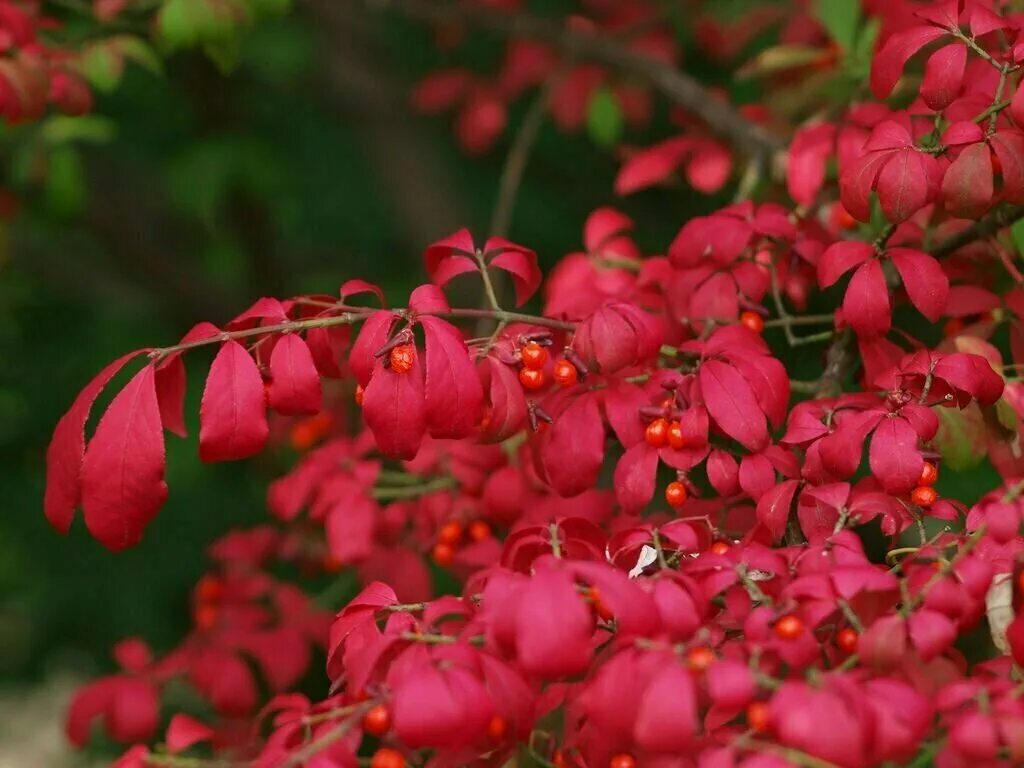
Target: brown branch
979, 230
721, 117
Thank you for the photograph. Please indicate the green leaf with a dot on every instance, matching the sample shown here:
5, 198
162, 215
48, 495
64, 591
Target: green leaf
858, 60
65, 188
61, 129
604, 118
177, 25
961, 437
1017, 233
780, 58
102, 66
841, 19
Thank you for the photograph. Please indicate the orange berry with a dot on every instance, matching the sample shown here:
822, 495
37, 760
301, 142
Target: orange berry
377, 721
757, 716
565, 374
443, 554
953, 327
656, 433
403, 358
206, 616
700, 658
599, 607
332, 564
558, 759
929, 474
210, 589
359, 394
387, 758
675, 436
450, 532
302, 435
479, 530
497, 728
846, 640
752, 321
924, 496
843, 217
789, 627
622, 761
675, 494
533, 355
720, 547
531, 378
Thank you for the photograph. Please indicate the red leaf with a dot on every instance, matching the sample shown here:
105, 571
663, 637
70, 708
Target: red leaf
894, 457
866, 303
603, 224
372, 336
356, 287
732, 404
454, 395
967, 186
394, 410
857, 181
428, 299
944, 76
67, 449
1009, 148
923, 279
170, 393
185, 731
904, 184
505, 398
294, 380
266, 311
773, 508
634, 477
839, 258
457, 246
573, 447
232, 414
325, 345
521, 264
805, 166
123, 471
667, 716
709, 167
652, 165
888, 63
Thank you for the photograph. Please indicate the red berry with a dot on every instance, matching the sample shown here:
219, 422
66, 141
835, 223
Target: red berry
757, 716
403, 358
387, 758
497, 728
929, 474
533, 355
479, 530
846, 640
789, 627
924, 496
675, 436
450, 532
565, 374
377, 721
752, 321
656, 433
675, 494
531, 378
359, 394
622, 761
700, 658
443, 554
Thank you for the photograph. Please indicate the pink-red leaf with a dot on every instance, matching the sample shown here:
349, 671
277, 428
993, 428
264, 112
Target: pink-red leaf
454, 395
294, 380
67, 449
521, 264
732, 404
232, 414
923, 279
123, 470
393, 406
866, 303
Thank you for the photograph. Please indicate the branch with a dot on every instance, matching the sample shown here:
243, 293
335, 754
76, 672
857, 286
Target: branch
979, 230
684, 90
